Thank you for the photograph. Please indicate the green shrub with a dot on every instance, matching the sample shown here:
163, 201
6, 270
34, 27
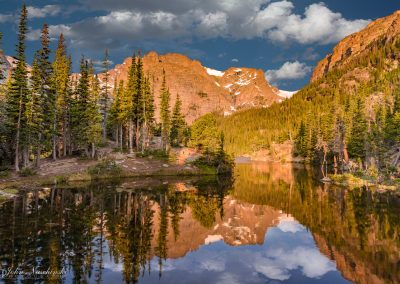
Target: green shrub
80, 176
4, 174
26, 172
106, 167
158, 154
222, 162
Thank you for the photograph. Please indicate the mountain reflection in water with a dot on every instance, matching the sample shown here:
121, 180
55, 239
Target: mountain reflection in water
271, 224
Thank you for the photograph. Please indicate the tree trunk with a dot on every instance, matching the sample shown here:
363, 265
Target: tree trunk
345, 154
145, 137
105, 128
54, 140
120, 137
17, 135
130, 133
137, 136
64, 138
93, 150
87, 152
38, 151
335, 164
117, 136
25, 156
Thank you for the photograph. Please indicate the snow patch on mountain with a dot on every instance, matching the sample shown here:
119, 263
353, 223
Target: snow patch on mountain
214, 72
212, 239
228, 86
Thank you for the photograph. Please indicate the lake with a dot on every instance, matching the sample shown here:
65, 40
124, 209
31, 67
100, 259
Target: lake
271, 223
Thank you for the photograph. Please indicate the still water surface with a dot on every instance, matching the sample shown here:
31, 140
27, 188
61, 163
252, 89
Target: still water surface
271, 224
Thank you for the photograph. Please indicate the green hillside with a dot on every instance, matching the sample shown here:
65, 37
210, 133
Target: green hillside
354, 110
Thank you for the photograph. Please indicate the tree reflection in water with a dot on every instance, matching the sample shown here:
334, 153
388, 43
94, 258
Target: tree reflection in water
139, 224
58, 228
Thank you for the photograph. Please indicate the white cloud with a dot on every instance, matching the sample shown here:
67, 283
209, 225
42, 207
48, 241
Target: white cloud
6, 18
54, 32
280, 262
185, 19
213, 25
46, 11
212, 265
288, 71
319, 25
235, 60
228, 278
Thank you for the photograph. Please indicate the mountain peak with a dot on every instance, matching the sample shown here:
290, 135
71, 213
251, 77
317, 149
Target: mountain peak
356, 43
202, 89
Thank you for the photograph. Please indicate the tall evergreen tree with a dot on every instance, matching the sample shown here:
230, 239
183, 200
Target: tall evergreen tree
177, 123
148, 113
138, 100
2, 63
116, 114
18, 97
165, 115
301, 144
128, 104
61, 78
92, 113
36, 103
79, 107
4, 145
357, 139
48, 91
104, 100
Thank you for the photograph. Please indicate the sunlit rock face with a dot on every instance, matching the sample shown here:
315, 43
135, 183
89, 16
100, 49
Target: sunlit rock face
202, 89
358, 43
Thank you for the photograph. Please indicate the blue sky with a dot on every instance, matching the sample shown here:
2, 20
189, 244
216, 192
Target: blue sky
284, 38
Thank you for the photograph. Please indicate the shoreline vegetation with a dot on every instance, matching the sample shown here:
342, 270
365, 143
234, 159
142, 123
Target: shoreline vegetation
178, 162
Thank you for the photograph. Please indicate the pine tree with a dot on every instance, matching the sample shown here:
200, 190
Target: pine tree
128, 103
2, 63
357, 139
177, 123
301, 145
92, 113
79, 107
148, 113
138, 100
3, 130
115, 110
36, 103
104, 101
61, 74
165, 115
119, 113
48, 91
18, 97
392, 127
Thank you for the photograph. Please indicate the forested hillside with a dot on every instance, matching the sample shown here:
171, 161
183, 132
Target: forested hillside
353, 112
46, 112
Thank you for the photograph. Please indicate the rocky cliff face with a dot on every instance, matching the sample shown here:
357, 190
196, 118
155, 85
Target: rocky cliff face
8, 63
201, 89
357, 43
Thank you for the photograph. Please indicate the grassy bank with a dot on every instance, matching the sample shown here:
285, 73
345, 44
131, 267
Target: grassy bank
108, 168
352, 181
